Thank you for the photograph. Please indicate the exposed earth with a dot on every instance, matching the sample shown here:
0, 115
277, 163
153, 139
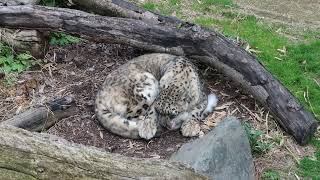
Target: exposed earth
298, 14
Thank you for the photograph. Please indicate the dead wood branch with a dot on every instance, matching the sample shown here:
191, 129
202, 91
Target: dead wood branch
41, 118
185, 39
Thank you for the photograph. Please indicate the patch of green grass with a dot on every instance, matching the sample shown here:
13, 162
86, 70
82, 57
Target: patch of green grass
271, 175
311, 35
310, 168
255, 139
175, 2
204, 21
218, 2
62, 39
230, 15
149, 6
165, 7
308, 56
297, 66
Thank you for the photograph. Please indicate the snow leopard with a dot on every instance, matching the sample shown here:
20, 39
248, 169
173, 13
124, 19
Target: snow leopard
150, 92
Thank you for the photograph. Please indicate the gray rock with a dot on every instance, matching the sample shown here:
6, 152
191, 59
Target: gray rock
224, 153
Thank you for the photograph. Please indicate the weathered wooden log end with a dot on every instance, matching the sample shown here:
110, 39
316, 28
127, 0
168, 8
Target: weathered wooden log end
43, 117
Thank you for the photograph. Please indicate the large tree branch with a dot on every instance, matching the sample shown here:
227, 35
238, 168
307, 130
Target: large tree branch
185, 39
120, 8
27, 155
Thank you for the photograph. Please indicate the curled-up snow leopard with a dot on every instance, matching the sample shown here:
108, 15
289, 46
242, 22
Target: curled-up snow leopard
133, 104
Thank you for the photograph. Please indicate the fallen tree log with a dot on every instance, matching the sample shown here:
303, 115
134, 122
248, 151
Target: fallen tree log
43, 117
27, 155
186, 39
119, 8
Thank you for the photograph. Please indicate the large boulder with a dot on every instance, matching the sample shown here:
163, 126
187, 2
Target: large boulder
224, 153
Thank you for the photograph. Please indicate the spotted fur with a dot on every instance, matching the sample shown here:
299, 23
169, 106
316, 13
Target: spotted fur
150, 90
123, 103
183, 101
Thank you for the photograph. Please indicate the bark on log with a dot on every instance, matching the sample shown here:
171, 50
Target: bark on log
26, 155
119, 8
41, 118
185, 39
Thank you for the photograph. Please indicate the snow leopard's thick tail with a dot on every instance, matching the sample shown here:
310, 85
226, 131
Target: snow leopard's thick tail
211, 104
119, 125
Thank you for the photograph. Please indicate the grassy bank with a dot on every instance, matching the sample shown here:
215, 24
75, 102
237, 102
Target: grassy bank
295, 63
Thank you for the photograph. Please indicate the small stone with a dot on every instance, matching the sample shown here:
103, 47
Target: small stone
223, 153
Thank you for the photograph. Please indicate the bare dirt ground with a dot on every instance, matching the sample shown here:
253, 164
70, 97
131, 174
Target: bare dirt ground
297, 14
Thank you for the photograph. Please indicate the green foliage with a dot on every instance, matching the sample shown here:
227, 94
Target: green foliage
230, 15
165, 7
149, 6
307, 55
255, 139
271, 175
175, 2
9, 62
62, 39
311, 167
207, 22
225, 3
